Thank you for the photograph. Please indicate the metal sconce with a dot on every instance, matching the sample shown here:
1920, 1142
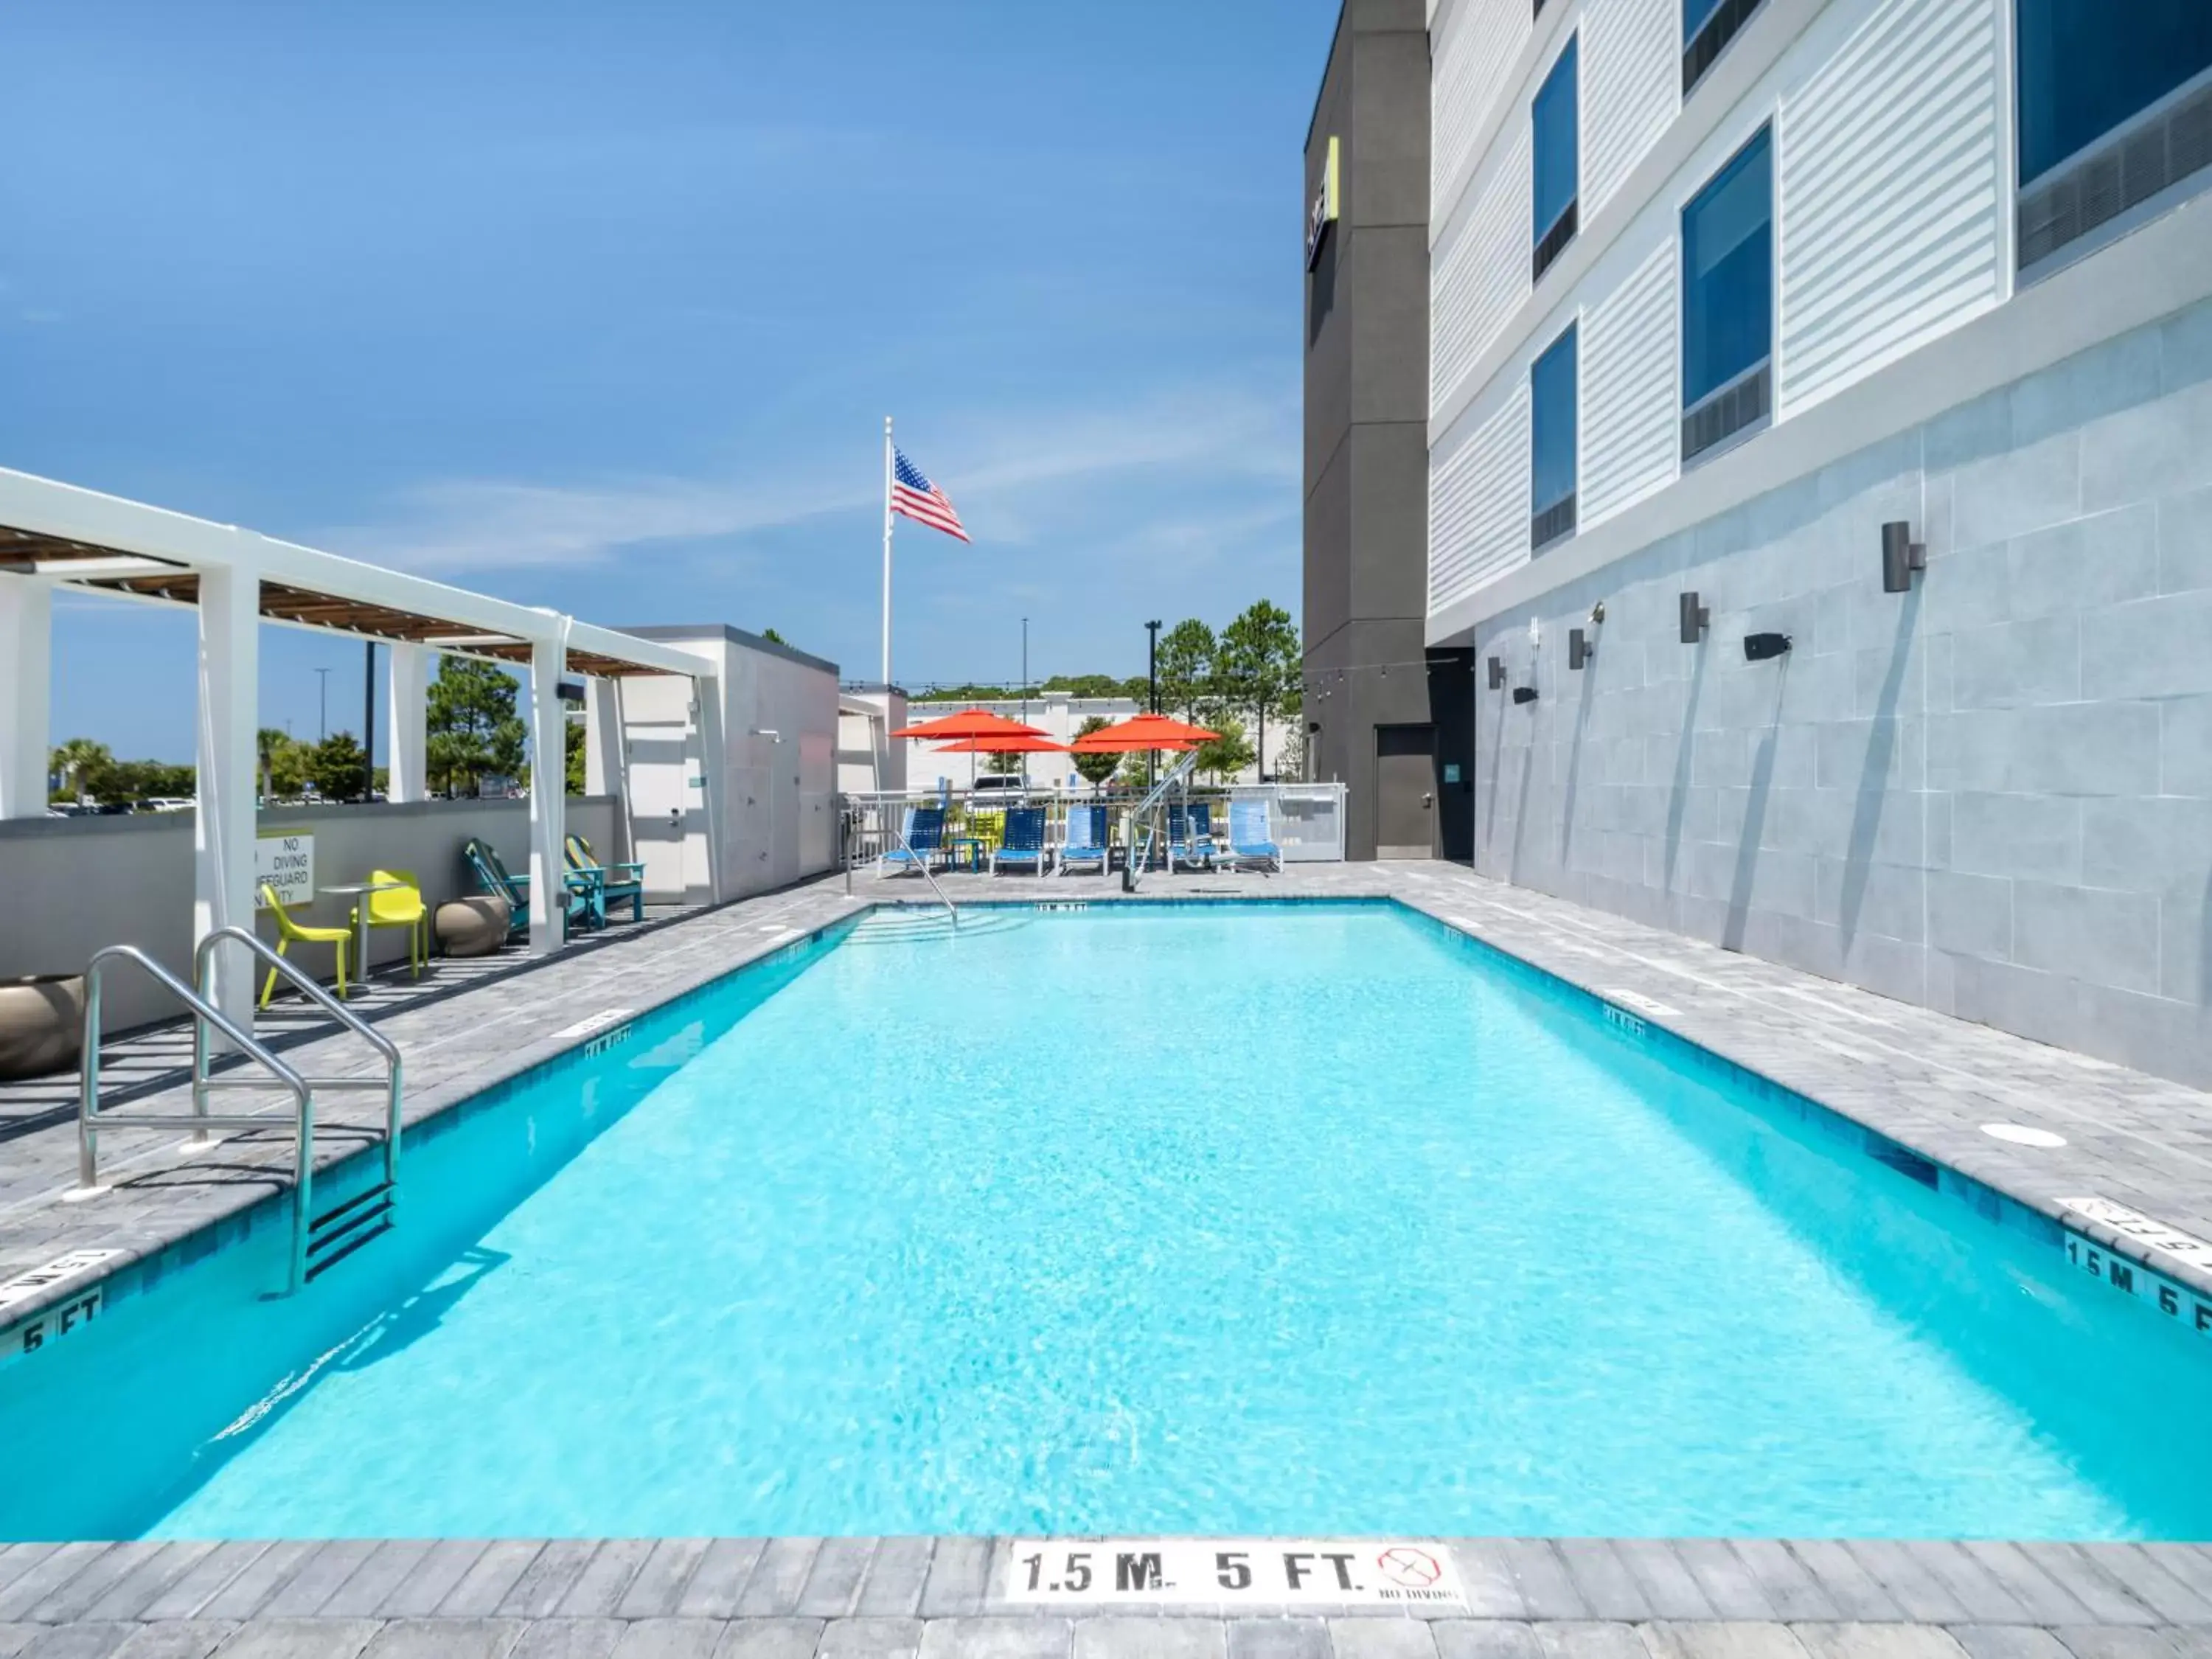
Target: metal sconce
1497, 673
1695, 616
1900, 556
1579, 649
1757, 648
1524, 694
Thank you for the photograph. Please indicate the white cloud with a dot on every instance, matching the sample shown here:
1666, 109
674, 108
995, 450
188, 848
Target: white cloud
1015, 475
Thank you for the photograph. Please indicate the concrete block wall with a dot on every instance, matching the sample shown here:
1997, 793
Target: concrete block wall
1992, 795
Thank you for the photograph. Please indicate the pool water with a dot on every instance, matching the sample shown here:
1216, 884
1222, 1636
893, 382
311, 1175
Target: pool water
1242, 1219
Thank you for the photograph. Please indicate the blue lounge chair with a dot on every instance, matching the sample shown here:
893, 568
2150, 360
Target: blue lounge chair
924, 838
491, 873
1190, 836
1250, 841
1023, 842
1086, 839
611, 884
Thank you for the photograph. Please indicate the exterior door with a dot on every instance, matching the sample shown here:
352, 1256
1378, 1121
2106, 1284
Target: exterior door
1405, 792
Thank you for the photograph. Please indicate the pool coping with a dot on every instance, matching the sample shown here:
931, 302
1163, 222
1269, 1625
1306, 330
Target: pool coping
46, 1311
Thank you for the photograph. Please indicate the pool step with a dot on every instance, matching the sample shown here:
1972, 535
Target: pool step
339, 1231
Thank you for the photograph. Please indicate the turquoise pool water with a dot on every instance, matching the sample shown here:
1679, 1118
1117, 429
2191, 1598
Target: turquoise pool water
1256, 1219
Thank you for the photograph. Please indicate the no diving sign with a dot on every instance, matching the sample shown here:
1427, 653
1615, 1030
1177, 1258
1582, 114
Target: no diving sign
1239, 1571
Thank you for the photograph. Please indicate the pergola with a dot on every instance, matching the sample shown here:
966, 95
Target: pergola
55, 535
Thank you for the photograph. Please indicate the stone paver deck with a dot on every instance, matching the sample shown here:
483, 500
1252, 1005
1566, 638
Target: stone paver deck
1925, 1081
847, 1597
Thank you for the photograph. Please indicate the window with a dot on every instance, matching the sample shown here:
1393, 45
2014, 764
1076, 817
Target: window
1707, 27
1728, 298
1554, 117
1552, 440
2115, 107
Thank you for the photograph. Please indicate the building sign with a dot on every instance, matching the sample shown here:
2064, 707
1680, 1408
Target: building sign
287, 862
1321, 212
1231, 1572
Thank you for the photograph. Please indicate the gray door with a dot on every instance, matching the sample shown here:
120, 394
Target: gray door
1405, 792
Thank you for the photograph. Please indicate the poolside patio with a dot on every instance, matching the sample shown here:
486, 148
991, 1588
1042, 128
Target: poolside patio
1926, 1081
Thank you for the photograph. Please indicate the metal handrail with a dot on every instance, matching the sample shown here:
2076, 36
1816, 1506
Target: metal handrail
203, 959
1179, 773
923, 865
204, 1013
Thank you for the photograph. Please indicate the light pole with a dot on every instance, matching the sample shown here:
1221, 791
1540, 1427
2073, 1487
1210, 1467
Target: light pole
323, 705
1151, 688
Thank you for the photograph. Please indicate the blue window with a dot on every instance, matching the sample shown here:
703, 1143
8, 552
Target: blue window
2087, 65
1694, 14
1728, 274
1552, 434
1554, 120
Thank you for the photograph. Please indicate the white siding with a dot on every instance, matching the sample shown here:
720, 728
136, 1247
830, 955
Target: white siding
1480, 274
1631, 88
1478, 504
1889, 169
1629, 408
1482, 39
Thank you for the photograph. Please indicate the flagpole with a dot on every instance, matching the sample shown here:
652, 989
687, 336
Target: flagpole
887, 552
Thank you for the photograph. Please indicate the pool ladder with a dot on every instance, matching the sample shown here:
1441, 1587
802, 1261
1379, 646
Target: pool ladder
1139, 857
318, 1243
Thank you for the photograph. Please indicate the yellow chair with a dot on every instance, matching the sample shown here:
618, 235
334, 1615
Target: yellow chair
288, 930
400, 906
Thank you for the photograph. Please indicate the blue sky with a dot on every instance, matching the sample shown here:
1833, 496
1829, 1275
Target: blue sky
601, 306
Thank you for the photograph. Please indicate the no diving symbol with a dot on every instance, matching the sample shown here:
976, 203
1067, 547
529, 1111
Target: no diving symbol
1411, 1568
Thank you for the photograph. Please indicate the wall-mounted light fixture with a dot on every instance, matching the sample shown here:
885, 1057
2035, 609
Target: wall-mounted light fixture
1757, 648
1900, 556
1579, 649
1497, 673
1524, 694
1695, 616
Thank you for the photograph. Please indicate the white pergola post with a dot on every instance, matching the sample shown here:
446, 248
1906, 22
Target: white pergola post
606, 756
407, 756
714, 759
549, 790
26, 628
224, 826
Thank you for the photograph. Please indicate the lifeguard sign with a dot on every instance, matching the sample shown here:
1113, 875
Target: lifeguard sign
1320, 213
286, 860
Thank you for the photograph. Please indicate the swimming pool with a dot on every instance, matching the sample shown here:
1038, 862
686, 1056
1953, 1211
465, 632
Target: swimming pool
1222, 1218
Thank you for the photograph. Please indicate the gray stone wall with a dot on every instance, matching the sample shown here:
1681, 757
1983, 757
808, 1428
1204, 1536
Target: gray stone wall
1992, 795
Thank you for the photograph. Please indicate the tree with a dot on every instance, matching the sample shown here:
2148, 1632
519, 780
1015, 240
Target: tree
772, 637
1185, 664
1257, 666
471, 726
291, 762
1095, 769
1224, 757
576, 751
268, 743
339, 767
1008, 760
82, 763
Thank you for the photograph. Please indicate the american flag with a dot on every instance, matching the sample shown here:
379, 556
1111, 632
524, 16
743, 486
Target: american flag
917, 498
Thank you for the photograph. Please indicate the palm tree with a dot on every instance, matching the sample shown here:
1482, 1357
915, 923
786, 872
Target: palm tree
77, 760
269, 743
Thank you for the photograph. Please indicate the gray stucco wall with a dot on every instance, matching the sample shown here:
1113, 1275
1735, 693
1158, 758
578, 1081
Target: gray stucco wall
76, 884
1992, 795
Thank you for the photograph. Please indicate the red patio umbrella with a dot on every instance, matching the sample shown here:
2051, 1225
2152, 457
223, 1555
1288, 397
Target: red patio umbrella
1018, 744
968, 723
1143, 731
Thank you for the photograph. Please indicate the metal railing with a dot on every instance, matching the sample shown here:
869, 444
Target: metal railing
923, 865
90, 1118
203, 960
1177, 777
349, 1225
